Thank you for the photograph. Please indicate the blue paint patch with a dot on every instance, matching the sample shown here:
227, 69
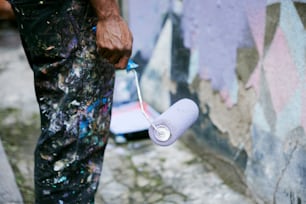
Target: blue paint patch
293, 28
290, 116
96, 104
259, 118
62, 179
234, 91
83, 128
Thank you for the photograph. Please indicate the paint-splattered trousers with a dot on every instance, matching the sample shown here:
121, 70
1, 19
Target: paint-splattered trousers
74, 88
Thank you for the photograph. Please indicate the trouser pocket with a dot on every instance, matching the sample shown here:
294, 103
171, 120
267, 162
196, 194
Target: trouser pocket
46, 30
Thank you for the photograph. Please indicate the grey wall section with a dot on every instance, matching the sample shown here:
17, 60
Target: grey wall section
278, 167
9, 192
243, 62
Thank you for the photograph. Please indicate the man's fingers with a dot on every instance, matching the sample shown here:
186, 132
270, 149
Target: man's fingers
122, 62
118, 58
112, 56
102, 52
114, 59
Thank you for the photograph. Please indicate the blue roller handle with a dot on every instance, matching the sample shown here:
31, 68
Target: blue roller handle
131, 65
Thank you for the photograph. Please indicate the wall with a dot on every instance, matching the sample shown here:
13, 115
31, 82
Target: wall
243, 62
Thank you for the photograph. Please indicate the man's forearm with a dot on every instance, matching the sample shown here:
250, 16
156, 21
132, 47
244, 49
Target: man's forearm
113, 36
105, 8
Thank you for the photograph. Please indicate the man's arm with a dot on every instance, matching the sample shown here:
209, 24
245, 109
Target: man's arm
105, 8
114, 38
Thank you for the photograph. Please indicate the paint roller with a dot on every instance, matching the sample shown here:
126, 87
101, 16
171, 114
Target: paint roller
170, 125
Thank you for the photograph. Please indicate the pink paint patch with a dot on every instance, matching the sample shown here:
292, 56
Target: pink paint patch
204, 73
254, 80
256, 14
256, 18
226, 98
280, 71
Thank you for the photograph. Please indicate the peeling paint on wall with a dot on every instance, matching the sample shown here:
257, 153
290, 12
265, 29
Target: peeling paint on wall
145, 21
244, 63
278, 127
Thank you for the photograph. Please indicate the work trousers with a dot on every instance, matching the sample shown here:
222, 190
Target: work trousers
74, 89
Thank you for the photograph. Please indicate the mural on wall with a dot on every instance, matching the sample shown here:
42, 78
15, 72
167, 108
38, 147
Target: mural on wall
220, 53
206, 48
278, 129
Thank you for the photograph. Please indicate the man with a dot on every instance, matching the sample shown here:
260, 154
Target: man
73, 48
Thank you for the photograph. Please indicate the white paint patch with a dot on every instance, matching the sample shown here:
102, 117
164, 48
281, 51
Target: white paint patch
156, 77
193, 65
260, 119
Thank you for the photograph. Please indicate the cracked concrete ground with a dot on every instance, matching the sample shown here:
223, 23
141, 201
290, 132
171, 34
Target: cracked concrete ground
141, 172
138, 172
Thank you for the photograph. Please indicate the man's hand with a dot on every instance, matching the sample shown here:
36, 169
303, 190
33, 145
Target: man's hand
6, 11
114, 41
114, 38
